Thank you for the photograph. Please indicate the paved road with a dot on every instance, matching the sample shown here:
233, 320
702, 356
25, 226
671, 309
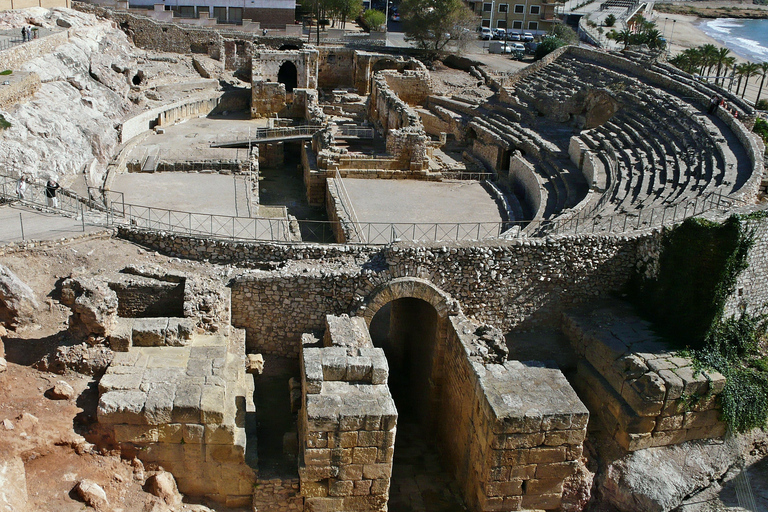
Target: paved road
37, 225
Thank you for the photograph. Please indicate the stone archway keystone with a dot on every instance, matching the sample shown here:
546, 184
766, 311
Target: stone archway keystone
407, 287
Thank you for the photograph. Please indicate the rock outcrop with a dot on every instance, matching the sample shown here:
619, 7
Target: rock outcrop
17, 300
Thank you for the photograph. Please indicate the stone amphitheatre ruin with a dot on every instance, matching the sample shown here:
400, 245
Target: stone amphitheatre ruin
587, 159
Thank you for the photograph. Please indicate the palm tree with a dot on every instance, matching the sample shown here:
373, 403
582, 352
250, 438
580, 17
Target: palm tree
729, 63
749, 69
720, 58
653, 38
625, 36
709, 53
764, 74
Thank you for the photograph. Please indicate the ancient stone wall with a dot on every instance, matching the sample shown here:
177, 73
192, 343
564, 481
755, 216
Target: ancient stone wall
19, 89
413, 87
347, 422
642, 392
336, 68
267, 98
506, 455
752, 283
266, 65
15, 56
168, 114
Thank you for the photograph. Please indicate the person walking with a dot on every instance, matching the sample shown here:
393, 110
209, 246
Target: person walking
50, 192
21, 188
24, 34
714, 103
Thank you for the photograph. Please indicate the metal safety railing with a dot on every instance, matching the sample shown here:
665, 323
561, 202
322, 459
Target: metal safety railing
109, 209
254, 136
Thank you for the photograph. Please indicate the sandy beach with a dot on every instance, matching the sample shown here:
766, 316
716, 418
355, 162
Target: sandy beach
682, 32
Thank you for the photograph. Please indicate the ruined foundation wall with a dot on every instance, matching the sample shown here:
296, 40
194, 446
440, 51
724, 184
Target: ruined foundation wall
337, 68
16, 56
413, 87
19, 91
752, 283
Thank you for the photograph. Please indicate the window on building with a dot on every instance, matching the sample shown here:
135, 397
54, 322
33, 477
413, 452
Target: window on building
501, 23
519, 9
202, 11
533, 25
220, 13
487, 7
485, 23
535, 9
503, 7
236, 15
517, 25
186, 11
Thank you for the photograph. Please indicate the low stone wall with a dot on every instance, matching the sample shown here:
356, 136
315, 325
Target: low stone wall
15, 56
643, 393
21, 87
277, 495
168, 114
413, 87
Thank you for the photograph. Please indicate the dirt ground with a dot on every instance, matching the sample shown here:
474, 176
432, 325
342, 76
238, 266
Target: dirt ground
54, 443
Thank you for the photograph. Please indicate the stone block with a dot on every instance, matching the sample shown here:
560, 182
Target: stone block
334, 367
377, 471
121, 407
711, 432
544, 486
380, 487
667, 438
317, 440
701, 419
370, 438
149, 332
121, 381
361, 487
348, 439
314, 489
120, 337
340, 487
546, 455
560, 470
212, 404
158, 409
314, 473
351, 472
220, 434
192, 433
379, 365
359, 369
186, 403
670, 422
514, 441
524, 472
224, 453
317, 456
366, 455
510, 488
541, 501
673, 384
692, 384
632, 442
560, 437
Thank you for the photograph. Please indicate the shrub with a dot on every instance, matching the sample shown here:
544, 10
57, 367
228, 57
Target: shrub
374, 19
547, 46
762, 105
610, 20
4, 124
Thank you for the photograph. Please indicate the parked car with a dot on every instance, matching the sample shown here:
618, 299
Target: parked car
499, 33
512, 35
530, 48
395, 17
527, 37
486, 33
517, 47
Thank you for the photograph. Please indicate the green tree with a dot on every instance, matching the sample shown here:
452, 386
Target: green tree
374, 19
564, 33
749, 69
720, 61
343, 10
610, 20
547, 46
435, 24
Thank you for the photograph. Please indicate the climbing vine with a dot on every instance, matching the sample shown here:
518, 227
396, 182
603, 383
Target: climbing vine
698, 269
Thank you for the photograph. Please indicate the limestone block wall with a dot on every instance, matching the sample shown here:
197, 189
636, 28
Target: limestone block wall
512, 431
265, 65
386, 109
413, 87
347, 428
643, 393
752, 283
168, 114
523, 177
184, 408
267, 98
503, 283
14, 57
21, 87
336, 67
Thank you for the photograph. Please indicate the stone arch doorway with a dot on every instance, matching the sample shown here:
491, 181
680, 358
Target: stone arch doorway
288, 75
408, 318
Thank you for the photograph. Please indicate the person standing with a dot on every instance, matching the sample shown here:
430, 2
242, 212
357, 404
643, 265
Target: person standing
21, 188
50, 193
24, 34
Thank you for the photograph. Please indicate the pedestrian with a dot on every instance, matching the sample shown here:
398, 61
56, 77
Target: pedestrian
21, 188
24, 34
50, 192
264, 32
714, 102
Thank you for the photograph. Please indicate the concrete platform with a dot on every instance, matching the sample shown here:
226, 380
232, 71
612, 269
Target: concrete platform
421, 201
188, 192
38, 225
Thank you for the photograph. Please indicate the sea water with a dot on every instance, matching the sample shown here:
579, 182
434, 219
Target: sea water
746, 38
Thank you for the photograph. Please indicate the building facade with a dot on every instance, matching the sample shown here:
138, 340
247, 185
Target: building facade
535, 16
270, 13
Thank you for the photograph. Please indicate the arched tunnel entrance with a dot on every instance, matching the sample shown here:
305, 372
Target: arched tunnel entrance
409, 331
288, 75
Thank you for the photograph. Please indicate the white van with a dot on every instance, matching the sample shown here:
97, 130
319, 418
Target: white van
486, 33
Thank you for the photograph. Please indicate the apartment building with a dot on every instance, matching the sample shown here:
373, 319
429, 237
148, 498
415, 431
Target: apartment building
535, 16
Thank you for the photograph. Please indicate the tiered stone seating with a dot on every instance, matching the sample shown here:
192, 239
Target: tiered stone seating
663, 149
